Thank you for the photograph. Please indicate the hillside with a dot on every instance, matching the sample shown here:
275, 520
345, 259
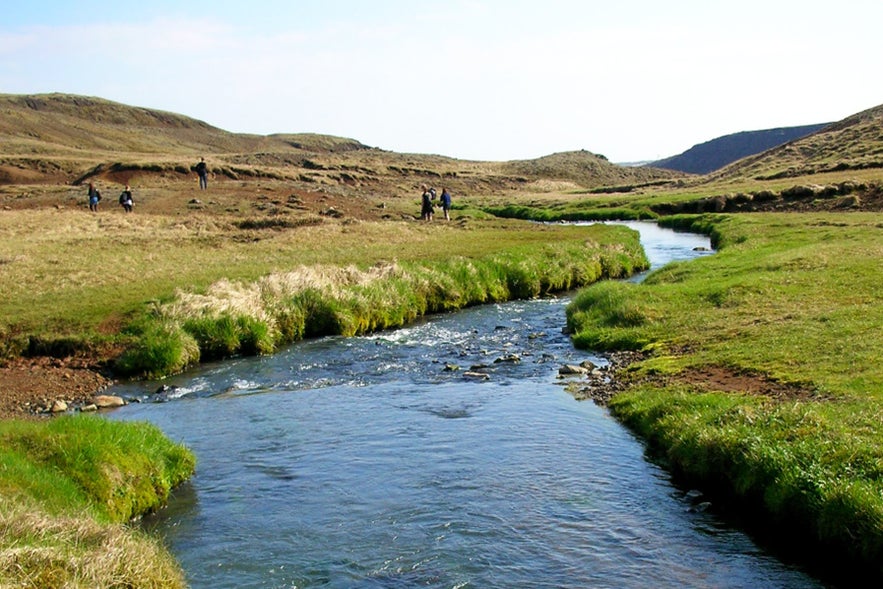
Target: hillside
717, 153
855, 143
65, 139
586, 169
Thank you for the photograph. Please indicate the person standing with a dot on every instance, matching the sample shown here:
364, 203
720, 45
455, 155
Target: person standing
202, 171
94, 197
126, 199
446, 203
426, 204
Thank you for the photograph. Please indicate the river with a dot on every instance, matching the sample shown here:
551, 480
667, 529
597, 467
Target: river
376, 462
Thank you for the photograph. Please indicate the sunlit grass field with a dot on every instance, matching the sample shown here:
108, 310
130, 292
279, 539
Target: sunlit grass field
69, 274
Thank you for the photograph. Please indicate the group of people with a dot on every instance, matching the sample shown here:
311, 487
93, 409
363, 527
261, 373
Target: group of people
126, 201
95, 197
427, 209
428, 198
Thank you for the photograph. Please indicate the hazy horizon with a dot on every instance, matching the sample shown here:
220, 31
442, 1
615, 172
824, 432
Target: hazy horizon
472, 79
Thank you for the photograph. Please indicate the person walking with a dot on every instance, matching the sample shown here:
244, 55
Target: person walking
446, 203
126, 199
94, 197
202, 171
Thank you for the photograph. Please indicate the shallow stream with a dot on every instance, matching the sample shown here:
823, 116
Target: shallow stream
376, 462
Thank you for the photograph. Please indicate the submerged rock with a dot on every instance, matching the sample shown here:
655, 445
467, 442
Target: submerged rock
476, 375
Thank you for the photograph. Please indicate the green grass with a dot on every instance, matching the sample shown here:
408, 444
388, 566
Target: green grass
257, 317
795, 298
68, 274
69, 488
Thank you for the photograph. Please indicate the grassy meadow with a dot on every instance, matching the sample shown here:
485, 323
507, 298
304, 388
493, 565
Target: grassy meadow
78, 281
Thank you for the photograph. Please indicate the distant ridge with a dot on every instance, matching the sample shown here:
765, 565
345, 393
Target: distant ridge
64, 138
717, 153
854, 143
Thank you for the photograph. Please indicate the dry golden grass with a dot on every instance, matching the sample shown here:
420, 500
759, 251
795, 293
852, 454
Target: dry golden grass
42, 552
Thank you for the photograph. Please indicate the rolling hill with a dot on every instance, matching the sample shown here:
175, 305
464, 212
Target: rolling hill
61, 138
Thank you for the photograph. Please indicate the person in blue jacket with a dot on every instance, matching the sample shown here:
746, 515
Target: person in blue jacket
446, 203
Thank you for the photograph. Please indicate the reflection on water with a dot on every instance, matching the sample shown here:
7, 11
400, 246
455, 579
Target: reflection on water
375, 462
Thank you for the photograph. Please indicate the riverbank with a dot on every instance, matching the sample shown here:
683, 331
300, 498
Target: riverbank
68, 319
760, 377
30, 386
71, 486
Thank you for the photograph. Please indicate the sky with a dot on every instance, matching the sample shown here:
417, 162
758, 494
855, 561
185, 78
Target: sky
495, 80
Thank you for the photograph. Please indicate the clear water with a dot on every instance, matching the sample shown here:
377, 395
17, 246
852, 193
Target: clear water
371, 462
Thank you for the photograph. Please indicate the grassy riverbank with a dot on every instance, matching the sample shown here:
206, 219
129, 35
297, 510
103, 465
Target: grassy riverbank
69, 487
74, 281
763, 379
258, 317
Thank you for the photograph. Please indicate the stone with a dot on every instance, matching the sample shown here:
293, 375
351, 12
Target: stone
58, 406
107, 401
572, 369
476, 375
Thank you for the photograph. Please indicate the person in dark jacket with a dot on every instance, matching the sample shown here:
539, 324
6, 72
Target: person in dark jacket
426, 204
202, 171
126, 199
94, 197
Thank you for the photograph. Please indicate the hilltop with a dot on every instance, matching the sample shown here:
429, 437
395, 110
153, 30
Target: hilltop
712, 155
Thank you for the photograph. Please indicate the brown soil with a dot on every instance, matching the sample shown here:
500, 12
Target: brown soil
29, 386
604, 384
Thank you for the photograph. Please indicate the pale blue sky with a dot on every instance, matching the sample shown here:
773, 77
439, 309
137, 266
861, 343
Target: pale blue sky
475, 79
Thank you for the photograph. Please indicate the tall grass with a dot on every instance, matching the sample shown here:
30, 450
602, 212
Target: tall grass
69, 488
257, 317
74, 278
795, 299
42, 551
